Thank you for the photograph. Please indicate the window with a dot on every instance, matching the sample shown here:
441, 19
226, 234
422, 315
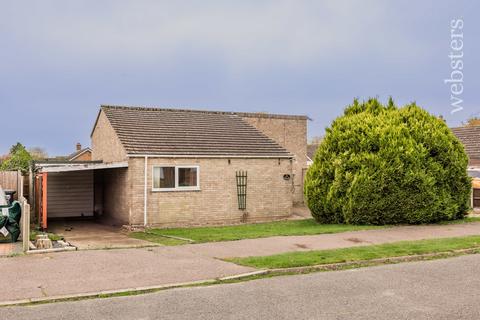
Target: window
178, 178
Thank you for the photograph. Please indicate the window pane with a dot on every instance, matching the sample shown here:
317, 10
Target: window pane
187, 177
164, 177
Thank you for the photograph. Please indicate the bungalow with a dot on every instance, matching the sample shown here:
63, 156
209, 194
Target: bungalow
171, 167
470, 137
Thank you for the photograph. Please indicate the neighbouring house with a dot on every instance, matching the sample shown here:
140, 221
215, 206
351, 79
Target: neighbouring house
311, 149
470, 138
80, 154
172, 167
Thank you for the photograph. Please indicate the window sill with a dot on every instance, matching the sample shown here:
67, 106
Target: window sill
176, 189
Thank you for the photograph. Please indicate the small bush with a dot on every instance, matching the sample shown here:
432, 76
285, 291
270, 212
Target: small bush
379, 164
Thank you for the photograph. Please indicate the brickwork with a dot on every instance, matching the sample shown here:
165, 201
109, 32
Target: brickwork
105, 143
473, 162
269, 195
86, 156
116, 200
290, 133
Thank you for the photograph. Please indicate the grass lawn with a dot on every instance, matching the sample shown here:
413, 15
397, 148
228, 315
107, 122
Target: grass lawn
252, 231
245, 231
351, 254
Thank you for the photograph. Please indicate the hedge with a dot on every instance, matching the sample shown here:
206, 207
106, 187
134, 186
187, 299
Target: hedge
380, 164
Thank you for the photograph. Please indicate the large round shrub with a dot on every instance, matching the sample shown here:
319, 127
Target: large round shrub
379, 164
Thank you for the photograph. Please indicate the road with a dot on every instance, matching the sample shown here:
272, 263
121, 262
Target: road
440, 289
89, 271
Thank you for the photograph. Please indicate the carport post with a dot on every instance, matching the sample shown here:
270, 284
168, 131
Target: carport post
25, 225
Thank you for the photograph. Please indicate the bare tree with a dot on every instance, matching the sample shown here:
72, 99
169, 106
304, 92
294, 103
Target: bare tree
38, 153
315, 140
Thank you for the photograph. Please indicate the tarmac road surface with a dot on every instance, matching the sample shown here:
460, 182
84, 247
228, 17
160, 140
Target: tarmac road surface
439, 289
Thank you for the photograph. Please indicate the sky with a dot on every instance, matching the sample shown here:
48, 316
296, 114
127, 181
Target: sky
60, 60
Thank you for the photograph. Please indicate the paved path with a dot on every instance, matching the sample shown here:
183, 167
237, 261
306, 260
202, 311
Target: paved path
95, 270
274, 245
440, 290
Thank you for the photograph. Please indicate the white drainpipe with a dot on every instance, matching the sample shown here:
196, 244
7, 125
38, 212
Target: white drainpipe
145, 194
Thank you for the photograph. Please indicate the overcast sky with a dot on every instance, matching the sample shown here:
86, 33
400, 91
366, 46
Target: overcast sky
59, 60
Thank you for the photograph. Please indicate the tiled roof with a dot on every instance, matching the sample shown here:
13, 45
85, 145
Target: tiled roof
470, 137
155, 131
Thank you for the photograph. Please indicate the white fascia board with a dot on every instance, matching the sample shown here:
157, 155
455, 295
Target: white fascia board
80, 166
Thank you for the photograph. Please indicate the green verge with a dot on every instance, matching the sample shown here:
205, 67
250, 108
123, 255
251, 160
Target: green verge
362, 253
252, 231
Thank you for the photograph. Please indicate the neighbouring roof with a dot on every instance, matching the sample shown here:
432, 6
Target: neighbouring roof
470, 137
76, 154
155, 131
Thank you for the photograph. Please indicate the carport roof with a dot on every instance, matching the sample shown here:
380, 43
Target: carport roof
77, 166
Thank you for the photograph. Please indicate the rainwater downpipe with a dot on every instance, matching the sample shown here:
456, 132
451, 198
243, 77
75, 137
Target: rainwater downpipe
145, 193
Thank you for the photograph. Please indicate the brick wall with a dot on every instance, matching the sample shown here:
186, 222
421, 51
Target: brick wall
269, 196
291, 133
86, 156
105, 143
474, 162
115, 195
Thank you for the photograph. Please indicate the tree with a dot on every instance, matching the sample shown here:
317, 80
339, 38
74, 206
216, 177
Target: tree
38, 153
471, 122
18, 159
380, 164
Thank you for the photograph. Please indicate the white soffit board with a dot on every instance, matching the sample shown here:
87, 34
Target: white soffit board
52, 167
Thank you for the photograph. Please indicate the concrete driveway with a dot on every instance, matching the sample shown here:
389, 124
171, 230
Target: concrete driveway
90, 234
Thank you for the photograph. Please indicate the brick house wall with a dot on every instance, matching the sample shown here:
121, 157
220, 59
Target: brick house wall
105, 143
473, 162
269, 196
116, 196
291, 133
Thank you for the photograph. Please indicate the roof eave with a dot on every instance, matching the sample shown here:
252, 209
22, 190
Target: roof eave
212, 156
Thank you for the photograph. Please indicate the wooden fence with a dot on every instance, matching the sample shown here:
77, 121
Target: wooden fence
13, 180
9, 180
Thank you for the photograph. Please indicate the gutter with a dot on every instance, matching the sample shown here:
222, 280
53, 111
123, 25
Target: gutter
209, 156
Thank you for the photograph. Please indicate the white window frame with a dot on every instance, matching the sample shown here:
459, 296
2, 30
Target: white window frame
177, 187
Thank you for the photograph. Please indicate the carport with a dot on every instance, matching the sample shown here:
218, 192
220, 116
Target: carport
67, 190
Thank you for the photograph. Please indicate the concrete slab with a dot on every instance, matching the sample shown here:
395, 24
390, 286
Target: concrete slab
89, 234
7, 249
